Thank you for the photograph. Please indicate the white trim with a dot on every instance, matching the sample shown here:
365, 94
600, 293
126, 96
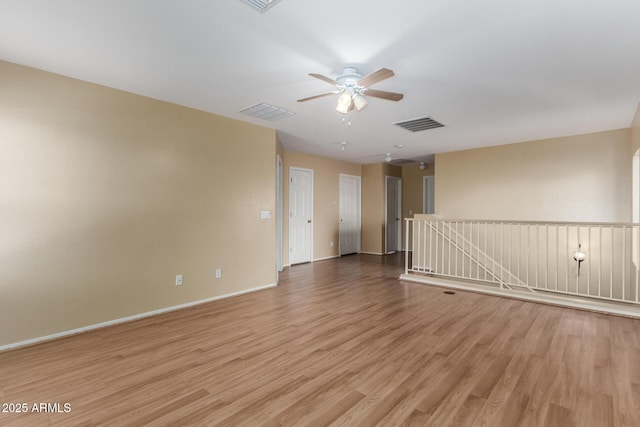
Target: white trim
279, 215
327, 257
57, 335
373, 253
559, 300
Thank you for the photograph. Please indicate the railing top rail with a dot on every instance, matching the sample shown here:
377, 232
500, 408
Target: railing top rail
516, 222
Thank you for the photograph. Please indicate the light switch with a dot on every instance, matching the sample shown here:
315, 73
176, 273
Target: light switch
265, 214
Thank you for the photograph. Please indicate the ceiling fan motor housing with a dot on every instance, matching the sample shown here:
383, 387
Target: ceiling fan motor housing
349, 77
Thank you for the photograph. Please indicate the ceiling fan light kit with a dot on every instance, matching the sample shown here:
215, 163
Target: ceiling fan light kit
344, 103
359, 101
353, 87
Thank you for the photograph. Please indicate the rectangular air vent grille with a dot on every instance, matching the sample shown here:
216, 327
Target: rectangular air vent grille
419, 124
402, 161
266, 112
261, 5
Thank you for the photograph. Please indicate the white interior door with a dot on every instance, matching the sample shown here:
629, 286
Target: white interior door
349, 227
393, 214
300, 215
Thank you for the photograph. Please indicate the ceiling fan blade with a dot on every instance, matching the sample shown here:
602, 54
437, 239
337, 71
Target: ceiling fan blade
325, 79
391, 96
309, 98
375, 77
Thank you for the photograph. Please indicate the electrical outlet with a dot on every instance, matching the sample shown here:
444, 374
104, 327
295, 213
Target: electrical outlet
179, 280
331, 244
218, 273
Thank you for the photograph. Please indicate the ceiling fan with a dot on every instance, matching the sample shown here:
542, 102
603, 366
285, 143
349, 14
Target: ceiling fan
353, 86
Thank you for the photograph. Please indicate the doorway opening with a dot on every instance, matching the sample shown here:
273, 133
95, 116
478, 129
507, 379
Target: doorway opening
428, 194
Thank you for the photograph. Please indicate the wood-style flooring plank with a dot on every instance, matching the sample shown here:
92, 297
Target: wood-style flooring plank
339, 342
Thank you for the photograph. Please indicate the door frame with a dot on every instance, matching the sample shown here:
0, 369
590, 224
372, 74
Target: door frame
398, 180
294, 168
279, 210
358, 211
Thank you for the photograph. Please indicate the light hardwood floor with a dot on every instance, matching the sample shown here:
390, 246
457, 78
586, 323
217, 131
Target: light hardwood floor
340, 342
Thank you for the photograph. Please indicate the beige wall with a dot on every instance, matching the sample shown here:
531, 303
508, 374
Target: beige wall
391, 170
576, 178
412, 191
326, 200
373, 205
105, 196
372, 208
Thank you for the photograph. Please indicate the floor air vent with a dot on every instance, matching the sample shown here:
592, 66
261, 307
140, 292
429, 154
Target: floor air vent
419, 124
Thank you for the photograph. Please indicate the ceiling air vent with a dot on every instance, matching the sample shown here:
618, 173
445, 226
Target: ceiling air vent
261, 5
400, 162
422, 123
266, 112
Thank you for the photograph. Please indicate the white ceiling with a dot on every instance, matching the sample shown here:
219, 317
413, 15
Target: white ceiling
494, 72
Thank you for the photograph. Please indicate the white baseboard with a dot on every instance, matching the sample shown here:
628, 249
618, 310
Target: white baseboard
372, 253
38, 340
327, 257
560, 300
